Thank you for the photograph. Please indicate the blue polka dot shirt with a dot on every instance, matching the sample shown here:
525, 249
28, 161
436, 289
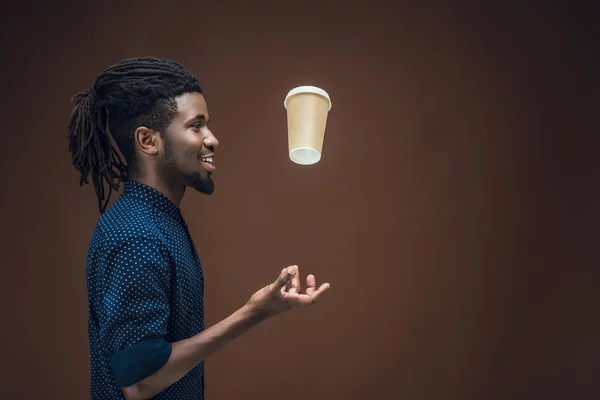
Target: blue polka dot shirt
145, 291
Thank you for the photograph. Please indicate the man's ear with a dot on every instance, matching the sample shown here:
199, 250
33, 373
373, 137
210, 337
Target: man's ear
147, 140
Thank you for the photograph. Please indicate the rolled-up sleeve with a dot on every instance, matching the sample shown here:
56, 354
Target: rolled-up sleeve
135, 309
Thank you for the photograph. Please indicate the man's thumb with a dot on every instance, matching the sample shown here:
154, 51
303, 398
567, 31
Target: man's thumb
284, 278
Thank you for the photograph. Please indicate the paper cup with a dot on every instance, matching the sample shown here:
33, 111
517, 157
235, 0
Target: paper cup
307, 108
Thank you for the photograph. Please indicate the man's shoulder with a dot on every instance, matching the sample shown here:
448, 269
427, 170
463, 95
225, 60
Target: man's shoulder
129, 218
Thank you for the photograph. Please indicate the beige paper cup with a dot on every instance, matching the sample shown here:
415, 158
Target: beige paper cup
307, 108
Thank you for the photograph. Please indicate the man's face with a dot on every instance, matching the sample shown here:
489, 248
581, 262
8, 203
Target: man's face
189, 146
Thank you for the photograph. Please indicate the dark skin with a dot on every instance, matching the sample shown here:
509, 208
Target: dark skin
170, 163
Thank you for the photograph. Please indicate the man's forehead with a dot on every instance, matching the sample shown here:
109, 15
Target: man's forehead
190, 105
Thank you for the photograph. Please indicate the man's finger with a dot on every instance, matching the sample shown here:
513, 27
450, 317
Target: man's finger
284, 278
311, 284
295, 283
322, 289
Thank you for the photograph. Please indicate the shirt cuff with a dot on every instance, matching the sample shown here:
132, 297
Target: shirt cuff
139, 361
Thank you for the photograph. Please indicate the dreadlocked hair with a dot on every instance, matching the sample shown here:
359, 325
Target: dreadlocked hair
134, 92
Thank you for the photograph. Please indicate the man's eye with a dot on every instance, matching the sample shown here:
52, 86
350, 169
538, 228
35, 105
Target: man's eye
197, 126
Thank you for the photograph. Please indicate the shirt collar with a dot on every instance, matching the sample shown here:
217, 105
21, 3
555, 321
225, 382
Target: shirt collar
154, 198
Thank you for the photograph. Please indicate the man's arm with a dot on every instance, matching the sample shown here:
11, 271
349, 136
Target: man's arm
186, 354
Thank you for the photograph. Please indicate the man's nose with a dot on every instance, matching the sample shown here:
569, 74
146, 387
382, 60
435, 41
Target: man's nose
210, 140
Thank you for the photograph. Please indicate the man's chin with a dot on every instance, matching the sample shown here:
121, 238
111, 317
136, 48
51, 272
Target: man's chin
205, 191
202, 185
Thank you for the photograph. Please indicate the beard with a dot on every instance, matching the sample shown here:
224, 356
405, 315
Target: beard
202, 184
196, 180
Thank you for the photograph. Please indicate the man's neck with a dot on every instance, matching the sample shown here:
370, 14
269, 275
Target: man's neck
174, 192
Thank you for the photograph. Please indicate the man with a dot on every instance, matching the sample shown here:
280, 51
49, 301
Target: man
144, 278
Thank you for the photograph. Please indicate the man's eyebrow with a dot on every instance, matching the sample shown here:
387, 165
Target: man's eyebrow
200, 118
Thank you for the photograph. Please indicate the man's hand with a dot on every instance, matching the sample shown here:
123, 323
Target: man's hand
286, 293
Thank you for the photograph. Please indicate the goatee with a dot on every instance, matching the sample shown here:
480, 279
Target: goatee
202, 184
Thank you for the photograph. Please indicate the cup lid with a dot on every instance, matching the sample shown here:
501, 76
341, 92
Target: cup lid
307, 89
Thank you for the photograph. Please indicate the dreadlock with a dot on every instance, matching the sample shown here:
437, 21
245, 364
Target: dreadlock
134, 92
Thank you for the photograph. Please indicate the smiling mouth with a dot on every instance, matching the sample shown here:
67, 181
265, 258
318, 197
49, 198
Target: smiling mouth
207, 163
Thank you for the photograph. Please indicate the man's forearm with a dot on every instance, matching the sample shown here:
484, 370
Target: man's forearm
188, 353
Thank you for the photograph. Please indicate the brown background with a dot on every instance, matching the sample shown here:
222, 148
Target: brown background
455, 209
